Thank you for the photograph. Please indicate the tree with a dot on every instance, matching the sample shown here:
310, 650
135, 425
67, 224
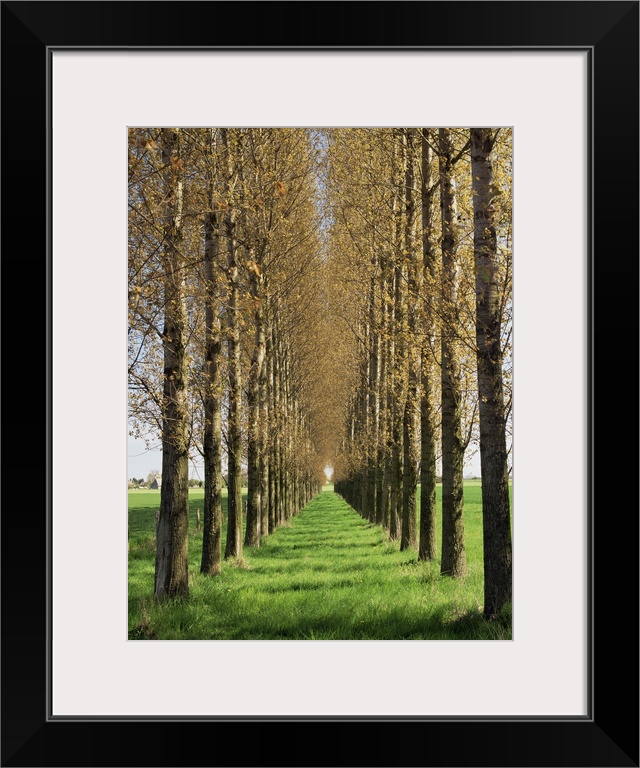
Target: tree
413, 257
230, 140
213, 365
496, 514
427, 548
399, 330
256, 243
453, 561
171, 569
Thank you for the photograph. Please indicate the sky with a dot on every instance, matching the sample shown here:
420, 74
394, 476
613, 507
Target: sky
142, 461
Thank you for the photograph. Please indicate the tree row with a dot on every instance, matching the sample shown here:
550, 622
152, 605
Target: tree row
421, 243
223, 261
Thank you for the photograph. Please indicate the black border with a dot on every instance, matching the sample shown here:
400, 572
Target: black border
609, 737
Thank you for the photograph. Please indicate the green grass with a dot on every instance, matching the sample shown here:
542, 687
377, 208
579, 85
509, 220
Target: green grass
328, 575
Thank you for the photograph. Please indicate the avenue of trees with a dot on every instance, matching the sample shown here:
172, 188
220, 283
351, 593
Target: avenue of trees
301, 298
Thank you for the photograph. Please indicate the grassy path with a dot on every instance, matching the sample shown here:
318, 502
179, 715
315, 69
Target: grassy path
330, 575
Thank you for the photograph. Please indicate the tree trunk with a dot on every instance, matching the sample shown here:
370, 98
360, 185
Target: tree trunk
171, 567
427, 548
400, 346
395, 527
365, 395
212, 449
252, 537
280, 437
374, 401
234, 440
409, 539
496, 516
388, 499
274, 517
264, 443
453, 560
287, 486
382, 493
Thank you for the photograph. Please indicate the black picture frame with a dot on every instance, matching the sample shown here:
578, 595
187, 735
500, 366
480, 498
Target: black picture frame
608, 736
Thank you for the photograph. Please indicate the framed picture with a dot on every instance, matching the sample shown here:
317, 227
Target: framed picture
564, 76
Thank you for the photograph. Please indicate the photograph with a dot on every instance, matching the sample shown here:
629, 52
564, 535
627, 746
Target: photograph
319, 345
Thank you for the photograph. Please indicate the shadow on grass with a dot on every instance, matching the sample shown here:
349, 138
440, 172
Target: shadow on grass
473, 625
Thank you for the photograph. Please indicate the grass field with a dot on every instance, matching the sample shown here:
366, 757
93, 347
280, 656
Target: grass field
328, 575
